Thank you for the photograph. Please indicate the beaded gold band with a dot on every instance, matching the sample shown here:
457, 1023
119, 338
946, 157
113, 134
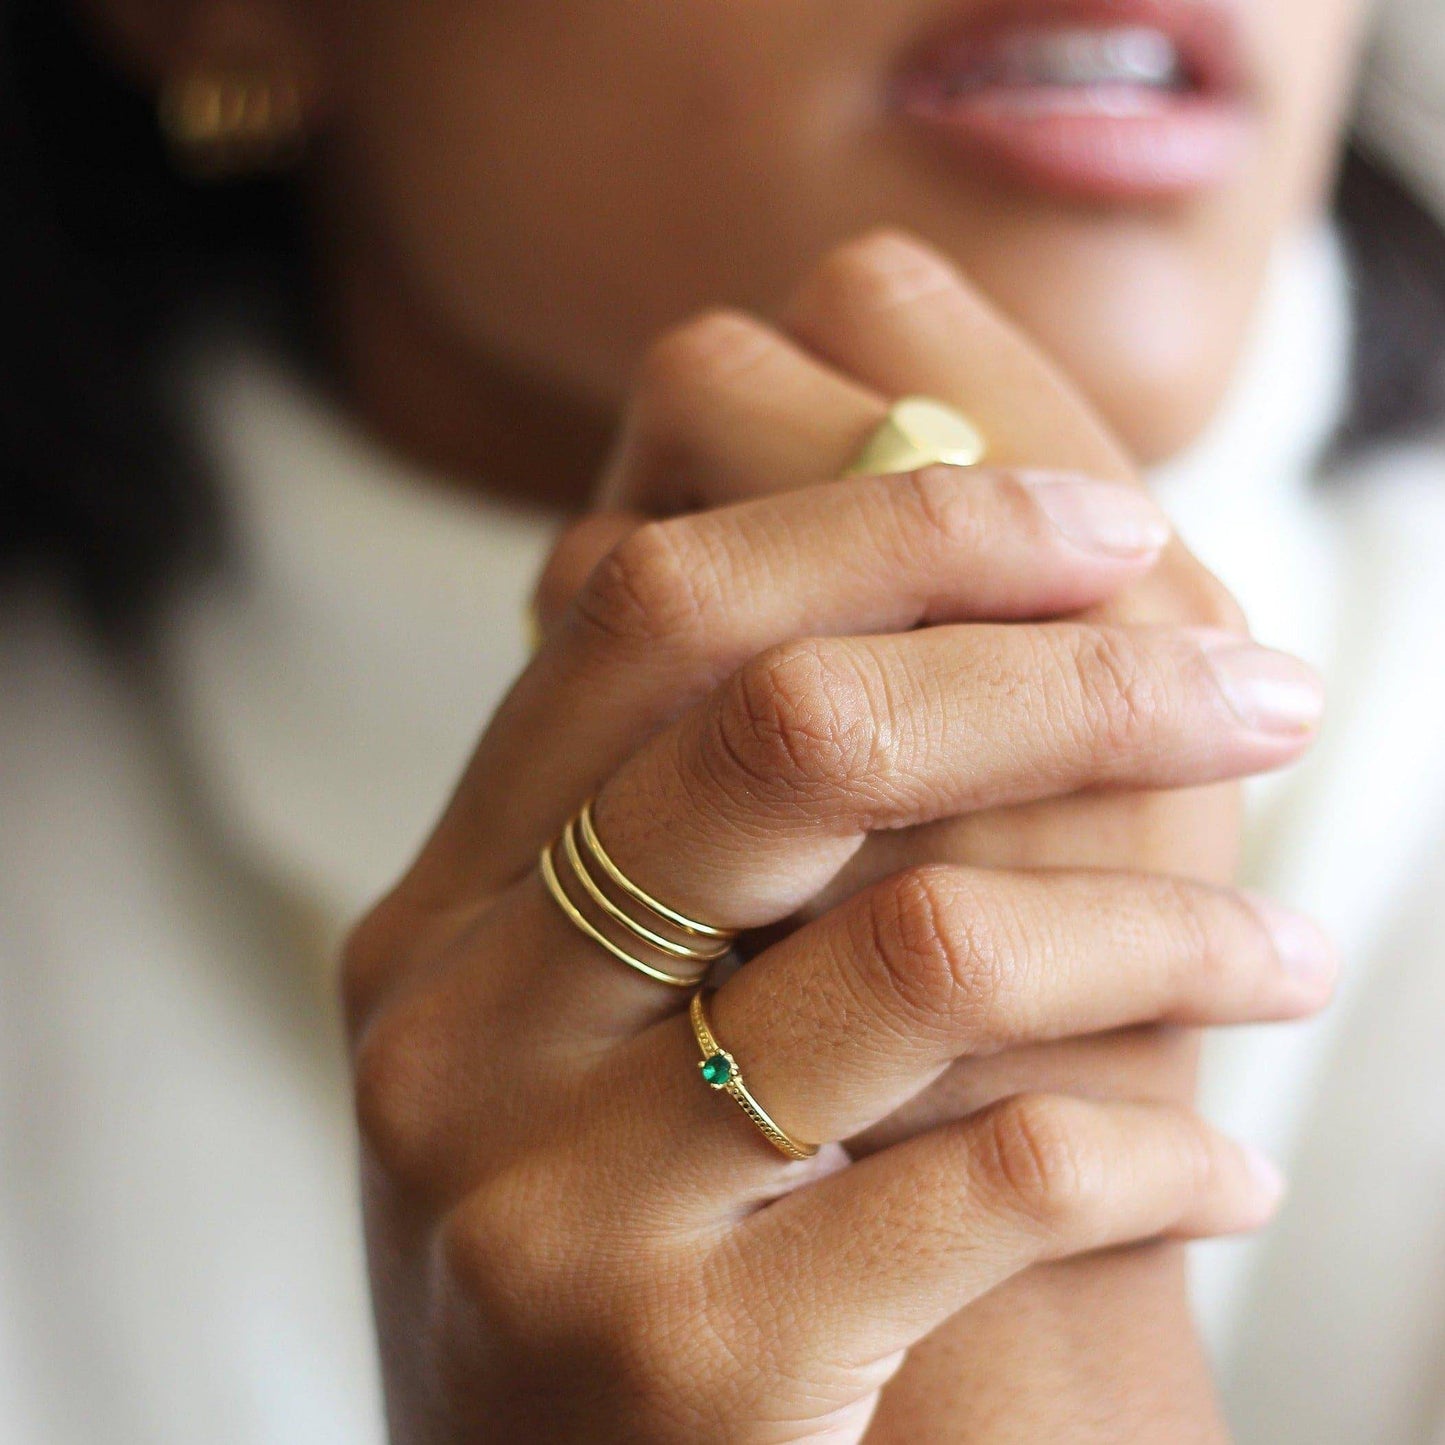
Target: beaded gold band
720, 1071
651, 947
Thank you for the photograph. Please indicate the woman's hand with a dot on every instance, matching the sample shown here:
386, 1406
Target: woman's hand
571, 1234
730, 408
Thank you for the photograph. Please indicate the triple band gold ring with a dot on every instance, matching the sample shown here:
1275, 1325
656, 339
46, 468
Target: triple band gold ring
611, 910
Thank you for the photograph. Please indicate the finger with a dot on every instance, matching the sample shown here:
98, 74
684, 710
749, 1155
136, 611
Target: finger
898, 317
748, 806
849, 1017
573, 559
725, 408
834, 1026
890, 553
767, 388
680, 604
877, 1255
1146, 1064
729, 408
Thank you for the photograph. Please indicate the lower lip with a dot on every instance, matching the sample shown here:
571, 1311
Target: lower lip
1109, 144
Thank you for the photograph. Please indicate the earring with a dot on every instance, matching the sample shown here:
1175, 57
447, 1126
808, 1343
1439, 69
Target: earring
231, 124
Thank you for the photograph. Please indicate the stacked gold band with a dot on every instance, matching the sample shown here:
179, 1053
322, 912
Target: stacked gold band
663, 944
720, 1071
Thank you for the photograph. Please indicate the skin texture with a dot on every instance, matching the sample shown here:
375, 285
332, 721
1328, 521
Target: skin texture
514, 199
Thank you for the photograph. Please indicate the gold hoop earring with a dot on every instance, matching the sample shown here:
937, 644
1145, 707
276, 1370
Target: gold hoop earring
233, 123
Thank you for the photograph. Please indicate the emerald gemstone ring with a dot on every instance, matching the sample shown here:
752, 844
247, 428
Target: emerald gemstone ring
719, 1070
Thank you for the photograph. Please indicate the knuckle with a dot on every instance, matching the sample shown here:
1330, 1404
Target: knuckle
512, 1276
397, 1085
674, 1361
476, 1257
880, 270
370, 956
939, 963
798, 720
498, 1253
931, 499
1122, 694
547, 1290
574, 556
1040, 1162
648, 590
674, 1384
1194, 913
691, 359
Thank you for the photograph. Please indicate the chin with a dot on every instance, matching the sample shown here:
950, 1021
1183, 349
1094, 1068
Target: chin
1156, 410
1148, 324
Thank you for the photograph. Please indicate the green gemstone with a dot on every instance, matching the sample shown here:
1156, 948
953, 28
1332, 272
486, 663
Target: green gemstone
717, 1069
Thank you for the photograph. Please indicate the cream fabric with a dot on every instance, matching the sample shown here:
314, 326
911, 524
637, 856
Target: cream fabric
180, 842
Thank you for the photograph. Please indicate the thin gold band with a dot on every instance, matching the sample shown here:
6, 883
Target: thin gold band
580, 921
586, 889
688, 925
620, 915
720, 1071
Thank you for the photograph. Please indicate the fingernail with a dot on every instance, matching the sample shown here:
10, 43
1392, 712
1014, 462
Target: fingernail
1106, 519
1268, 1178
1304, 948
1268, 691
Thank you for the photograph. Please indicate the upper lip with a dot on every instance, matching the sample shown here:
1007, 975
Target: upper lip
1208, 33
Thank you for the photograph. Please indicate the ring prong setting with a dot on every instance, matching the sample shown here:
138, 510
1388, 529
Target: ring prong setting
718, 1069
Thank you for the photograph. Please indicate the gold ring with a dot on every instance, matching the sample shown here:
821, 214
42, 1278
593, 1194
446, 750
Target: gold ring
620, 915
688, 925
649, 944
918, 432
532, 629
720, 1071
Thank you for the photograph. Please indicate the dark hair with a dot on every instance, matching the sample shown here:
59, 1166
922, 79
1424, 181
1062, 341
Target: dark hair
102, 246
1397, 256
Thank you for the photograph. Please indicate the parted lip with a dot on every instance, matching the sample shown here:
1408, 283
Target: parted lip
1115, 142
1209, 35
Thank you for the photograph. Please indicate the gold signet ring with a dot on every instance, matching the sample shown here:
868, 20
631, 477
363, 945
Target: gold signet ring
919, 432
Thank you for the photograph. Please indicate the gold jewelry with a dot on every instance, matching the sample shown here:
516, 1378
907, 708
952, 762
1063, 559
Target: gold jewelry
620, 915
532, 629
918, 432
660, 954
720, 1071
585, 925
230, 123
688, 925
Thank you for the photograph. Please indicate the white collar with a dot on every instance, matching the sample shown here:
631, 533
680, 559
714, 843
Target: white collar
332, 683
